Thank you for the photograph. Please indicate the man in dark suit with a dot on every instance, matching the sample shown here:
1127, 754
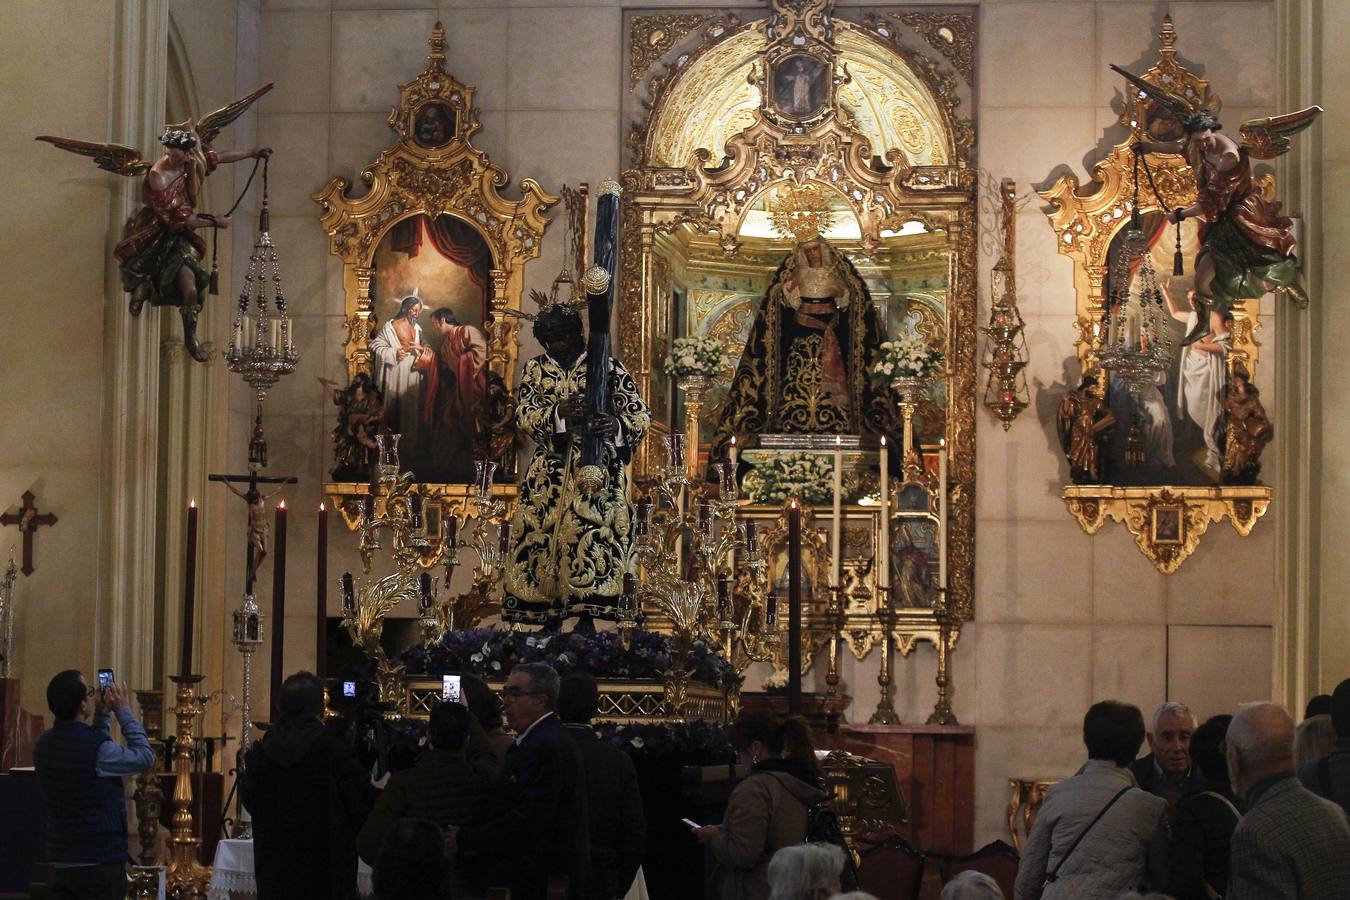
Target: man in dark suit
535, 825
618, 825
1167, 772
1291, 843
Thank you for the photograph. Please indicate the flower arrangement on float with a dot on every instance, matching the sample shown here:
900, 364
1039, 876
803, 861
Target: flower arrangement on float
906, 358
806, 476
695, 357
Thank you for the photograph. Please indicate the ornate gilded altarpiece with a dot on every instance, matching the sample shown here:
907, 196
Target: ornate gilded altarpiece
434, 171
1167, 521
869, 106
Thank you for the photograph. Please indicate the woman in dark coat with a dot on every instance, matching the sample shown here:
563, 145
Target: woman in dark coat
1203, 823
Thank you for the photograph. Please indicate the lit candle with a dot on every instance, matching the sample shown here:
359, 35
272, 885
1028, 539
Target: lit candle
884, 563
837, 534
942, 514
321, 612
278, 608
794, 607
189, 589
735, 453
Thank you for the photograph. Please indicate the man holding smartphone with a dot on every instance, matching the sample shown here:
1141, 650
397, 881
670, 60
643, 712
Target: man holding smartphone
82, 768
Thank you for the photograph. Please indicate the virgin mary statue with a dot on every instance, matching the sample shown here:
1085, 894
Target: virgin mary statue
804, 369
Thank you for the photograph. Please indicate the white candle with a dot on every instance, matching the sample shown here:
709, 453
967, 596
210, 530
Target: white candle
276, 334
942, 514
838, 509
735, 453
884, 563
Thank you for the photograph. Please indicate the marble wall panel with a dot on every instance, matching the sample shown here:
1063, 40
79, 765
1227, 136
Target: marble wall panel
1216, 668
374, 50
470, 33
1003, 752
1229, 580
1126, 587
1028, 571
551, 74
1129, 663
1232, 44
558, 147
299, 166
295, 56
1033, 675
1041, 42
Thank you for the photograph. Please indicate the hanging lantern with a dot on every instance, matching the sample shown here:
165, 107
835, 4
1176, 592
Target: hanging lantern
1005, 393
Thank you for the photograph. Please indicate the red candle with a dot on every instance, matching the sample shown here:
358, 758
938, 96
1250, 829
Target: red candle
452, 531
723, 597
770, 611
321, 617
424, 586
705, 515
278, 606
368, 507
189, 590
751, 541
504, 539
348, 593
794, 607
644, 510
415, 510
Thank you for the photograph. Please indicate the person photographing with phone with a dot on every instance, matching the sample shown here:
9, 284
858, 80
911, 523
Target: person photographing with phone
81, 768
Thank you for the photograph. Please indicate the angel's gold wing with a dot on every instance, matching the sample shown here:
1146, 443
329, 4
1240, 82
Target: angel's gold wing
1268, 137
1175, 103
114, 158
212, 124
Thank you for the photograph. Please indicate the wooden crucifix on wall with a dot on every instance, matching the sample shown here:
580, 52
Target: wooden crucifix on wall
28, 519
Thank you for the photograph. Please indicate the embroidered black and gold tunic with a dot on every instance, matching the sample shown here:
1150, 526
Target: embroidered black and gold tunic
569, 551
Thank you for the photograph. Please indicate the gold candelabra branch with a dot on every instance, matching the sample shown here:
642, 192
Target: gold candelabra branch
942, 711
885, 713
468, 608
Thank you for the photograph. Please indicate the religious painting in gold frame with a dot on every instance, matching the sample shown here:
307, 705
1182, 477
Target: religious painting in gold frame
705, 149
432, 193
1088, 222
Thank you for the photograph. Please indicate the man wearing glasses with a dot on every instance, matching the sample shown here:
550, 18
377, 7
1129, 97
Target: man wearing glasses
82, 768
535, 828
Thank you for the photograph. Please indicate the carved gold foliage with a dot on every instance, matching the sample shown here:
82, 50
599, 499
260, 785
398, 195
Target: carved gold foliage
650, 37
951, 34
1167, 522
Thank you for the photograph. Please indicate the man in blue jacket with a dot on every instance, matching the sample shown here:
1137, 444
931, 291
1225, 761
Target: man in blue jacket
81, 768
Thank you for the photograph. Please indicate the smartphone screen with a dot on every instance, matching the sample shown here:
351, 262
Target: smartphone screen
450, 688
105, 679
349, 688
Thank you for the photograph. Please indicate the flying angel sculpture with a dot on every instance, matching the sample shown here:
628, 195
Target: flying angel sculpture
1246, 245
160, 255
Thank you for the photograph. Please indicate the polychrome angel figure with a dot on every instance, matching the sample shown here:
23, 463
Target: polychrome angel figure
160, 255
1246, 246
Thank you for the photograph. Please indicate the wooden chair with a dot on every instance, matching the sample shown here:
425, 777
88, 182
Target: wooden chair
997, 860
891, 868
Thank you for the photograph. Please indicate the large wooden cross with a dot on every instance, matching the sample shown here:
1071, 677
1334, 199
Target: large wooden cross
28, 519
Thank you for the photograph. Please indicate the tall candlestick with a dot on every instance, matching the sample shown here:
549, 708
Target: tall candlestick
794, 607
837, 534
189, 590
278, 608
942, 515
321, 603
884, 561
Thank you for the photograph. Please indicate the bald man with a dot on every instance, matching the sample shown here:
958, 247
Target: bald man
1291, 843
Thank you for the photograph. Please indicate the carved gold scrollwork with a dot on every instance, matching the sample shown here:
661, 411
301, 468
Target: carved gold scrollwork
650, 37
951, 34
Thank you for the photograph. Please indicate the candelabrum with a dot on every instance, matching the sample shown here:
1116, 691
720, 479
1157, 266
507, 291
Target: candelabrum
908, 387
710, 601
148, 798
942, 711
187, 877
247, 637
413, 552
464, 610
1005, 394
885, 713
7, 615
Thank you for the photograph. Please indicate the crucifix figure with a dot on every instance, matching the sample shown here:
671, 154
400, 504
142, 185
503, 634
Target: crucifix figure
28, 519
258, 529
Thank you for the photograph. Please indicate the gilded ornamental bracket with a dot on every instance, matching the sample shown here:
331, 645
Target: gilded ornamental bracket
1167, 521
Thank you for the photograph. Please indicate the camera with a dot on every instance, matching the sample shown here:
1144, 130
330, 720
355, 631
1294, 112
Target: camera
450, 688
105, 679
349, 688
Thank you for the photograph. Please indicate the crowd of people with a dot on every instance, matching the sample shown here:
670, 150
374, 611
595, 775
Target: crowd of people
1244, 807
